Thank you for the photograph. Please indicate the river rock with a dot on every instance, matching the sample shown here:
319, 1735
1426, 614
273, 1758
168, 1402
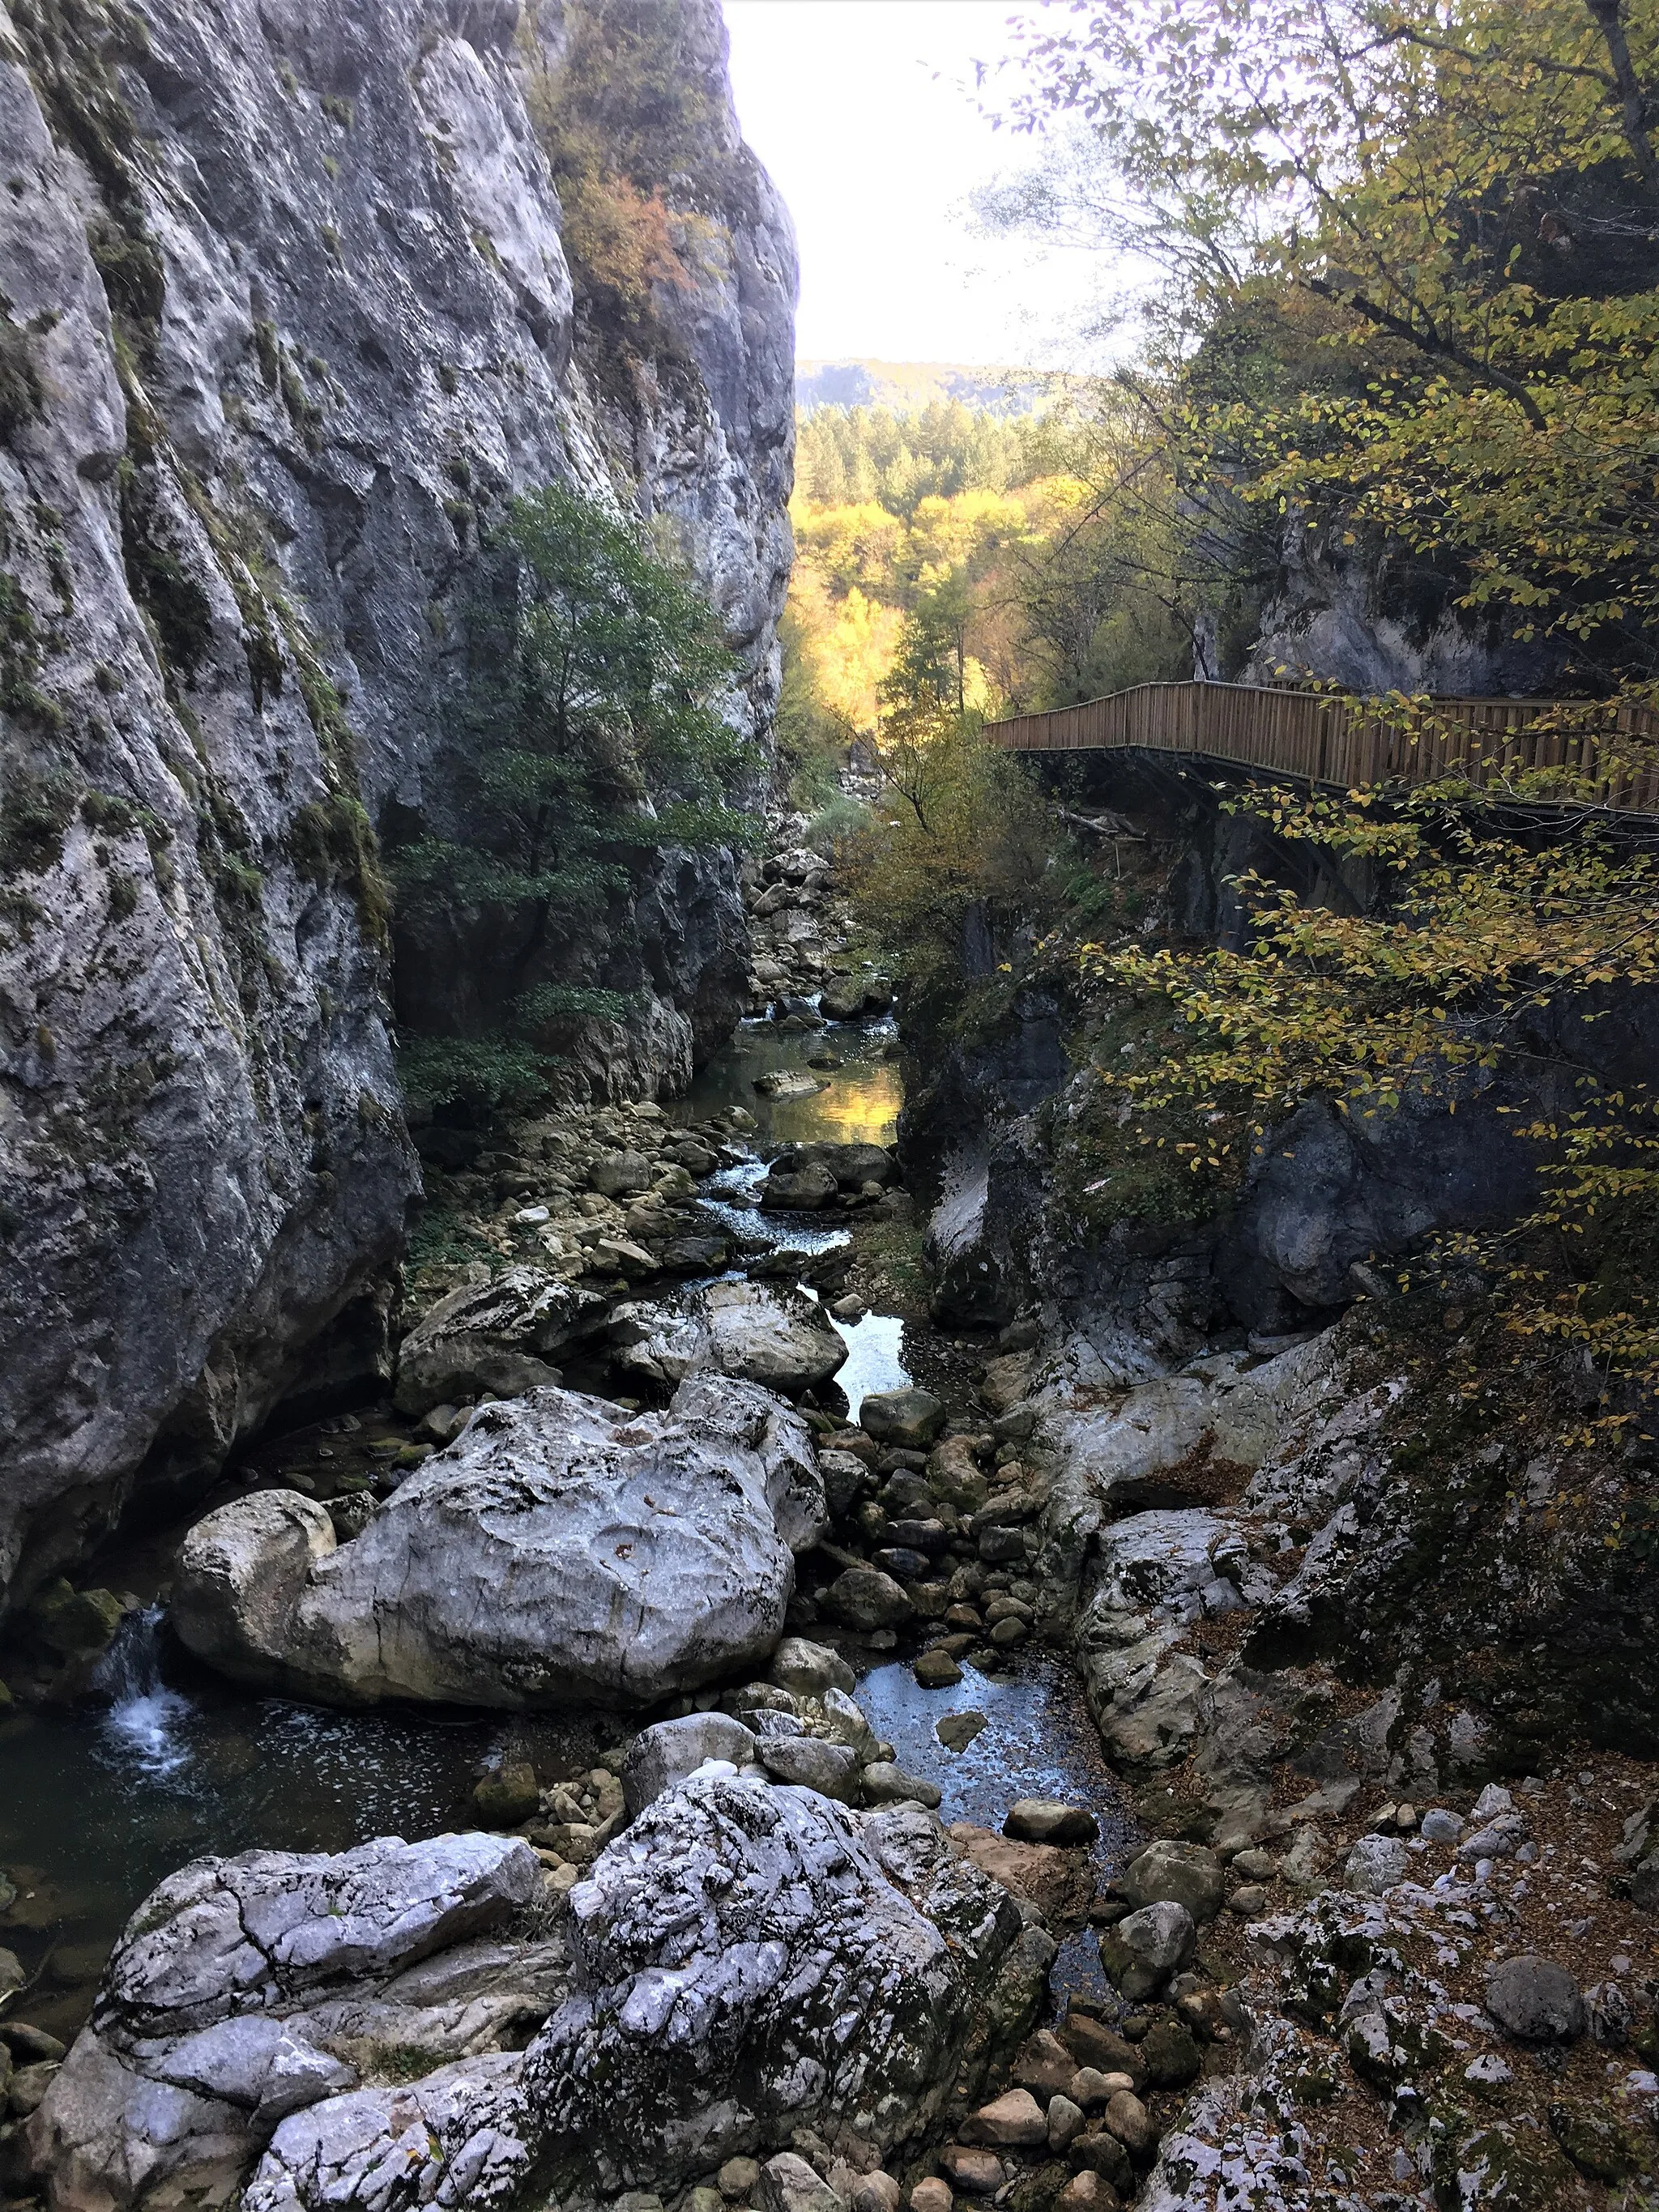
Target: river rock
1043, 1820
798, 1190
1059, 1883
808, 1670
755, 1959
561, 1549
668, 1752
769, 1333
865, 1598
1186, 1873
909, 1418
787, 1083
788, 2184
1015, 2119
502, 1336
236, 1987
620, 1175
852, 1165
831, 1769
884, 1783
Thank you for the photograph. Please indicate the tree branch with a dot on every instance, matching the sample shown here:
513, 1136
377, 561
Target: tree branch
1427, 341
1632, 100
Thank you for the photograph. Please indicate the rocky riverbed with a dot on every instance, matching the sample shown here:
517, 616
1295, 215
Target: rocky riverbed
909, 1792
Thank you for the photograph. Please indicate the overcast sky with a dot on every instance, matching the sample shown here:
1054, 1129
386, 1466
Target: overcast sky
857, 108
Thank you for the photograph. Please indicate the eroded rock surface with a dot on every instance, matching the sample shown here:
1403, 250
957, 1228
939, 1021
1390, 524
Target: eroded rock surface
245, 1989
560, 1549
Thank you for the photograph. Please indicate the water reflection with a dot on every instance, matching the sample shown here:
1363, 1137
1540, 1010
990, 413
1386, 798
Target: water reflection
858, 1104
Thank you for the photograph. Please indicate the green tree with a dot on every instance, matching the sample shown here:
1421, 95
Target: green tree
590, 735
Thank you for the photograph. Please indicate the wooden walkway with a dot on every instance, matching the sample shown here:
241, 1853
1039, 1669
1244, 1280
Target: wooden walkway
1322, 740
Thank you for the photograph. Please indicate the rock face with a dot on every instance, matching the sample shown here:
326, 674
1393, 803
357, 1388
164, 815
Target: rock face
245, 1989
753, 1960
290, 318
560, 1549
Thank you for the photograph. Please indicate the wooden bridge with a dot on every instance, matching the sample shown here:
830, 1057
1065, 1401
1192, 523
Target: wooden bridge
1321, 739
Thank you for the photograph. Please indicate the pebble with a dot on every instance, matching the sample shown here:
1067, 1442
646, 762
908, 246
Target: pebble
1248, 1901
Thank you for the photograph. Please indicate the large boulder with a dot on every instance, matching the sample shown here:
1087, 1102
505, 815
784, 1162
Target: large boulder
753, 1960
501, 1336
249, 1989
766, 1332
561, 1548
852, 1165
910, 1418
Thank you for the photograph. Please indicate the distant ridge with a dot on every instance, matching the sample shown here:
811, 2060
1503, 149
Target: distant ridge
907, 386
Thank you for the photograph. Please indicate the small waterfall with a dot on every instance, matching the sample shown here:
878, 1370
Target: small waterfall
145, 1722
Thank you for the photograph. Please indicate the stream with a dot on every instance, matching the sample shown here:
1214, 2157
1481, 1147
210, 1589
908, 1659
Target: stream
167, 1762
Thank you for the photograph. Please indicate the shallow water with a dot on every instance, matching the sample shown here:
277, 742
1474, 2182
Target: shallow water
858, 1104
1037, 1741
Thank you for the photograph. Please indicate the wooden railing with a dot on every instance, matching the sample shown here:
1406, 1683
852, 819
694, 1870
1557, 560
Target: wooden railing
1320, 739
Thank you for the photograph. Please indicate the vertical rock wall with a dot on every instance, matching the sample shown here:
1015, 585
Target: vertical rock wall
284, 316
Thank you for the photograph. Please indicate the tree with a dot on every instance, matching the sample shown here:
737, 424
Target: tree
1466, 195
590, 735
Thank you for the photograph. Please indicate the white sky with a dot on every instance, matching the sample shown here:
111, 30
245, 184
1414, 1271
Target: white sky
858, 109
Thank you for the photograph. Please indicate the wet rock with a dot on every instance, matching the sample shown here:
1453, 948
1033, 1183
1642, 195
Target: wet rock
863, 1598
910, 1418
725, 1943
1146, 1948
1536, 2000
1014, 2120
1376, 1865
884, 1783
802, 1192
1045, 1820
831, 1769
1182, 1874
956, 1731
561, 1549
224, 2000
71, 1623
845, 1480
508, 1795
666, 1753
937, 1670
788, 1083
504, 1336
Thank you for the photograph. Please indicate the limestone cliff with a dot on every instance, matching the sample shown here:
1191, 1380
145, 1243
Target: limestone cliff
284, 315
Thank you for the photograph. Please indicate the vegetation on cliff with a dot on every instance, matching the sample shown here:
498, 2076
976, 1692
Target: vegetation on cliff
590, 735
